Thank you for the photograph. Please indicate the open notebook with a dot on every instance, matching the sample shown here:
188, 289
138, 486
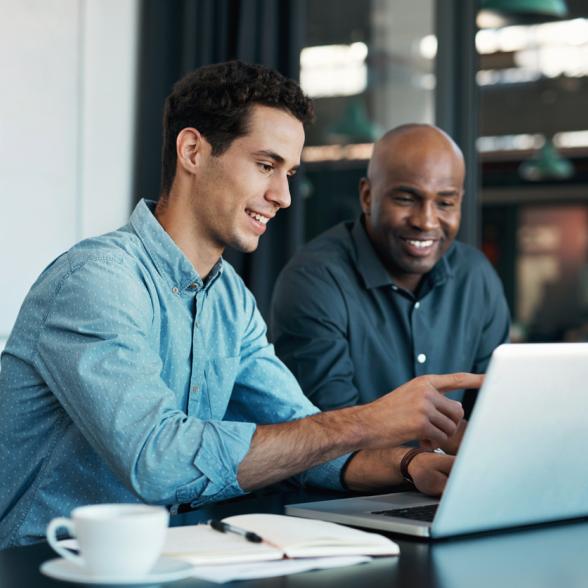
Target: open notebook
283, 536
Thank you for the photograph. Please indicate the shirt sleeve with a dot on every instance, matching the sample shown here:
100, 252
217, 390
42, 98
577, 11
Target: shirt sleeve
266, 392
309, 327
495, 330
496, 327
96, 353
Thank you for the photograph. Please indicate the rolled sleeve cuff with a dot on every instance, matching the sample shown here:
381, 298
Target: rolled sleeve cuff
328, 475
223, 447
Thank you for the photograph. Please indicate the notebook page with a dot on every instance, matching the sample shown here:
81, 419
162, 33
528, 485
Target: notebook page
200, 544
310, 538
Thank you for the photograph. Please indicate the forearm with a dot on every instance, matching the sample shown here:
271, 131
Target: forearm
415, 410
374, 469
380, 470
283, 450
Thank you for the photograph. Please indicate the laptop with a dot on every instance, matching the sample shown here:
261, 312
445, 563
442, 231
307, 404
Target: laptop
522, 460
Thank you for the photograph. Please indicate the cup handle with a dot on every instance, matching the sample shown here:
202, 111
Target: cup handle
51, 534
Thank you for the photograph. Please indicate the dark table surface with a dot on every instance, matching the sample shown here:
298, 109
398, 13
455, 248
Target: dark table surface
546, 556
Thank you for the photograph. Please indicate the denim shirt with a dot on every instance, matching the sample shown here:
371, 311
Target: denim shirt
127, 378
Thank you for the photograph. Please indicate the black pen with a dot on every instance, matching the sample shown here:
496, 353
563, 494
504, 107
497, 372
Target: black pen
226, 528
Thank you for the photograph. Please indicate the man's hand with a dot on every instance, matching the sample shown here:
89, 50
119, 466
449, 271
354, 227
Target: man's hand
379, 469
417, 410
452, 444
430, 471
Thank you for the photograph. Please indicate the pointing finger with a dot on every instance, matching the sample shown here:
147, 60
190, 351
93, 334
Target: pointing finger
457, 381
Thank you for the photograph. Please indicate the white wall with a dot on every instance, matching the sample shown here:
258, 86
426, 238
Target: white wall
68, 75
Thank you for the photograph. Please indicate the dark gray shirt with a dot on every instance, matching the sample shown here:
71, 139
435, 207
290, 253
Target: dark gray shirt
350, 334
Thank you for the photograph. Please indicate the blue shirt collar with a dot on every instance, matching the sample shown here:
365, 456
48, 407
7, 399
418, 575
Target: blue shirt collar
372, 270
168, 258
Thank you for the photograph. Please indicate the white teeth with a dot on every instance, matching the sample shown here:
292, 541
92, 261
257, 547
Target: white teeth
420, 244
258, 217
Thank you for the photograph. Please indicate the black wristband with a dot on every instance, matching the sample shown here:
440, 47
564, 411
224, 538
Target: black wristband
407, 458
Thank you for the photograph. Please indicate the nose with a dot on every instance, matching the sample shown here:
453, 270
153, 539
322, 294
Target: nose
425, 217
279, 191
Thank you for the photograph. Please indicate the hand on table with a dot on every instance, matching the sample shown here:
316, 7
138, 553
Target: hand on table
430, 471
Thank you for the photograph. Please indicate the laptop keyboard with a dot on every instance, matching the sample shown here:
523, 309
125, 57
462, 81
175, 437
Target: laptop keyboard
418, 513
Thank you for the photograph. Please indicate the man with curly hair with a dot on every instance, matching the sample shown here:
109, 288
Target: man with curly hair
138, 369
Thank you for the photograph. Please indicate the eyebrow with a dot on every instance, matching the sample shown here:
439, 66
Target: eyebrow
408, 189
275, 157
417, 192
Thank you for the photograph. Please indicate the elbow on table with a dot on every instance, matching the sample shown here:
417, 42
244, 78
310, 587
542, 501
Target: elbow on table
156, 487
152, 491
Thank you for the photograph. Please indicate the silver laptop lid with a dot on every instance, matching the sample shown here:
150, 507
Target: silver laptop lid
523, 457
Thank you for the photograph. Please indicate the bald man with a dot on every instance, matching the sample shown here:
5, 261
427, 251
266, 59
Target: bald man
370, 304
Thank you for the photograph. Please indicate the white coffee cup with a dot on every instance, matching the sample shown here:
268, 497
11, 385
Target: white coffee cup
115, 540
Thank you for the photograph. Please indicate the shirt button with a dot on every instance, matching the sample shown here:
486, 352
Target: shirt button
195, 389
417, 305
175, 290
193, 286
421, 358
394, 287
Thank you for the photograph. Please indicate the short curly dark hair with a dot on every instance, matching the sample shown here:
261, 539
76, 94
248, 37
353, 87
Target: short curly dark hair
217, 100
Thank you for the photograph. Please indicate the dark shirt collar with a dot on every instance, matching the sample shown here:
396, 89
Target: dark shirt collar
368, 264
375, 275
169, 259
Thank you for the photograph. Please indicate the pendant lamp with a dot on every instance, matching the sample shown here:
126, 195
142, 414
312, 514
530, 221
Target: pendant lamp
546, 164
355, 125
525, 11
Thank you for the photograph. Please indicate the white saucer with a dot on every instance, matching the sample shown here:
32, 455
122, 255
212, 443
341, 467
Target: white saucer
165, 570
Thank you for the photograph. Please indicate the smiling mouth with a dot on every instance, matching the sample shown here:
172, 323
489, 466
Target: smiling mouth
260, 218
420, 243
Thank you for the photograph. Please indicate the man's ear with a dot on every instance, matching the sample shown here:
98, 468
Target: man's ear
365, 196
189, 146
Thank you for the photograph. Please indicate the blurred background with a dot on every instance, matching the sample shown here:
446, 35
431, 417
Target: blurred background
83, 89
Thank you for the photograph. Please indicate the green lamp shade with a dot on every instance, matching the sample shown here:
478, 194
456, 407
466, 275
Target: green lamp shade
527, 11
355, 125
546, 164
